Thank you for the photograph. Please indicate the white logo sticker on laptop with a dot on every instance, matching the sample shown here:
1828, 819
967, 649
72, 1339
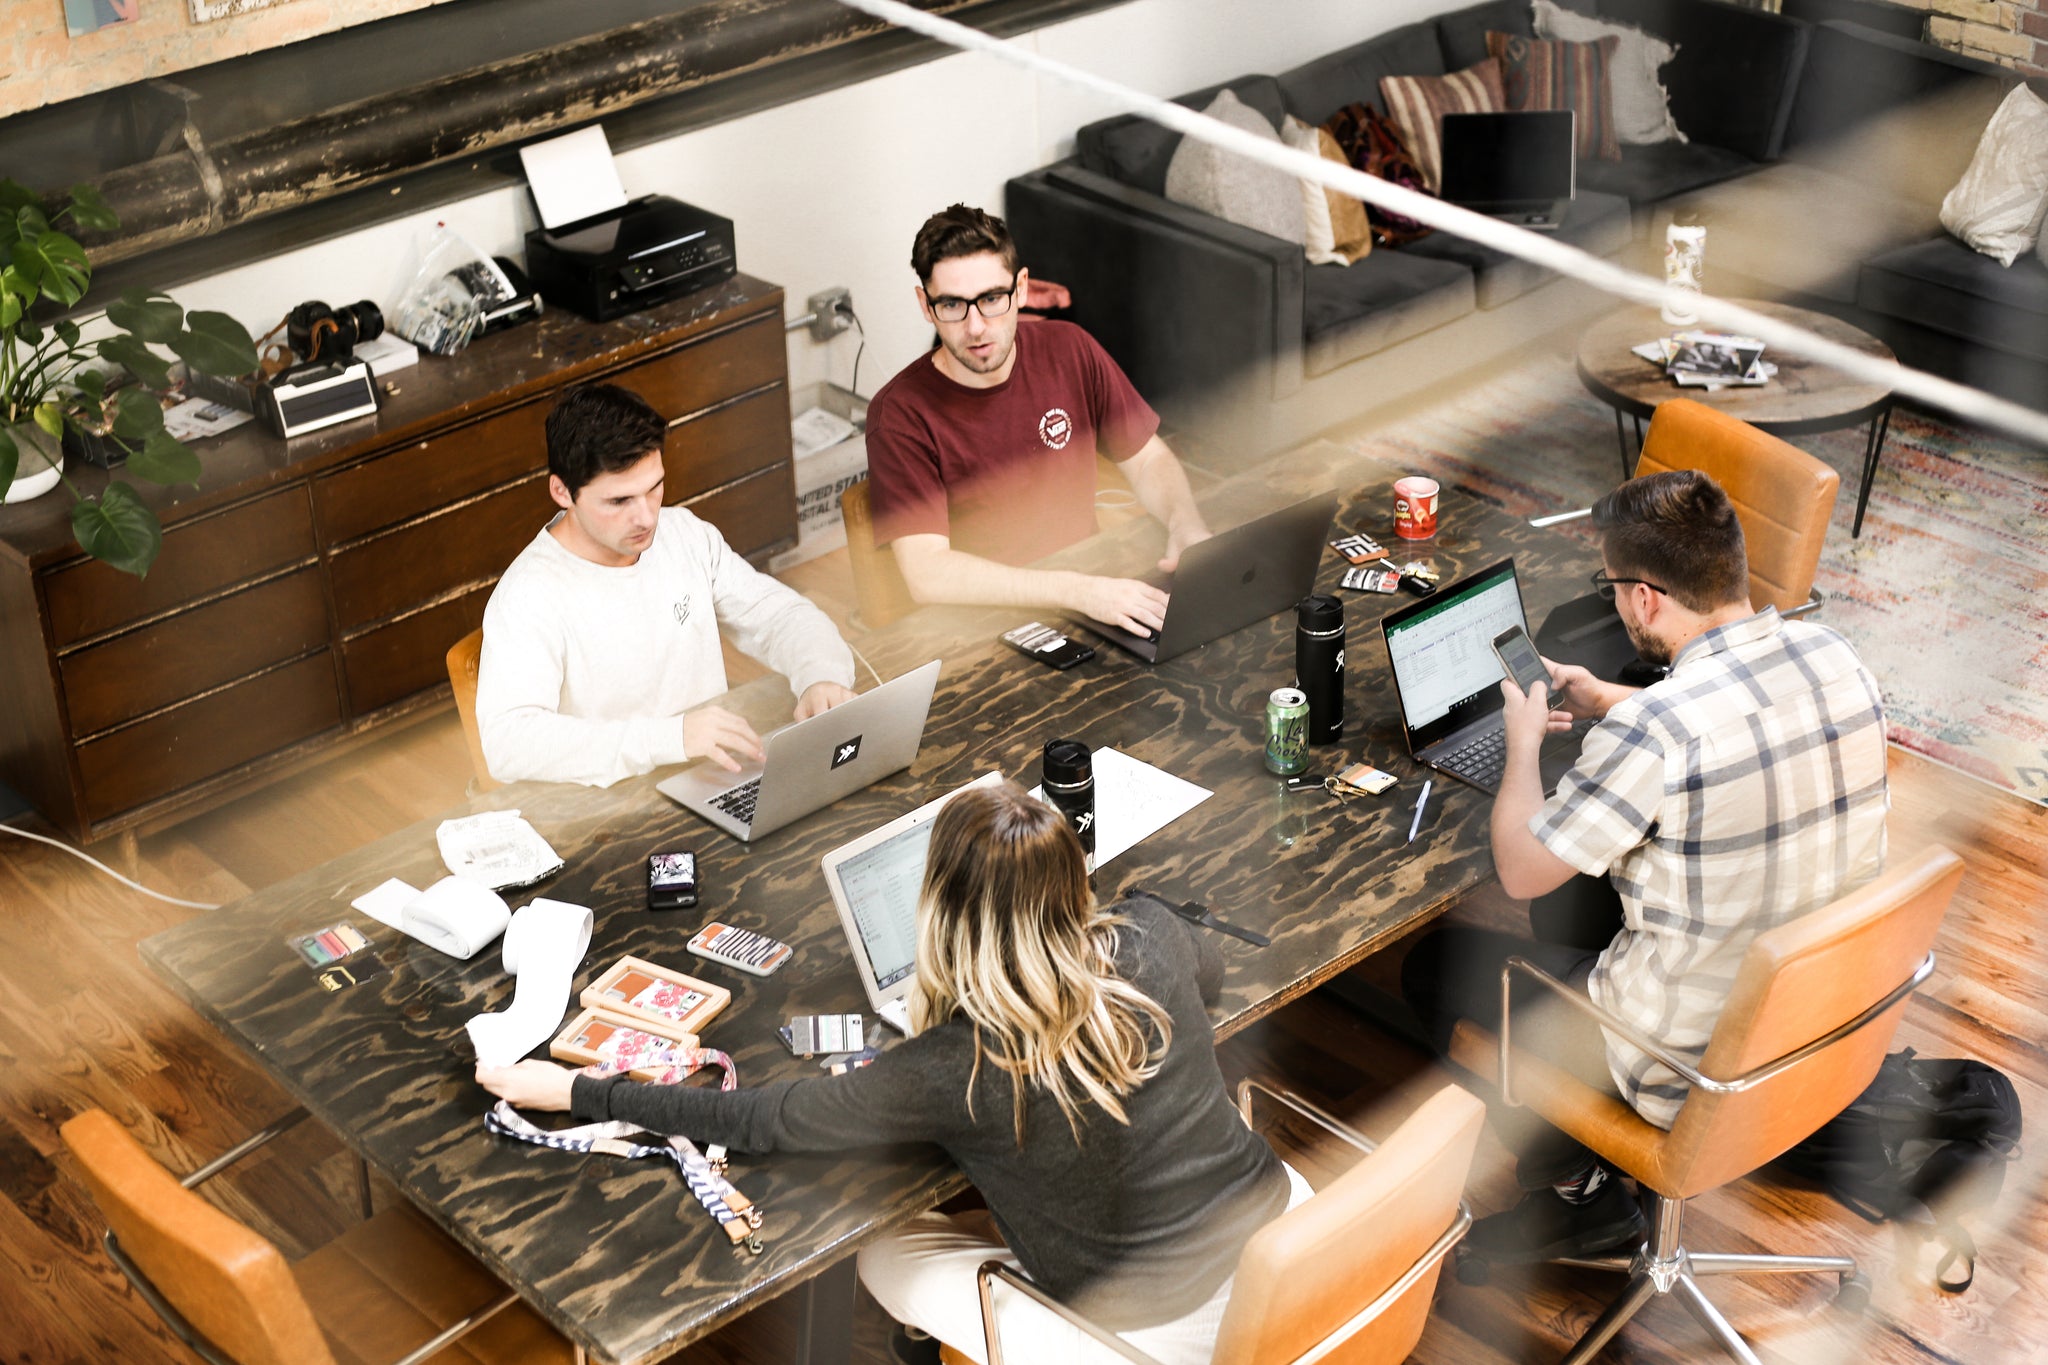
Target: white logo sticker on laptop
846, 752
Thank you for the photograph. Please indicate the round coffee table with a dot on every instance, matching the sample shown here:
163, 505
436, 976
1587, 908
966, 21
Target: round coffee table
1803, 398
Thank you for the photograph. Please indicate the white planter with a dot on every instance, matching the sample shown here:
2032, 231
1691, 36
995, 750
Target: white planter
33, 476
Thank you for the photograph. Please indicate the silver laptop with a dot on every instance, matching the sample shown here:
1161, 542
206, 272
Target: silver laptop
874, 882
1233, 579
1447, 679
809, 765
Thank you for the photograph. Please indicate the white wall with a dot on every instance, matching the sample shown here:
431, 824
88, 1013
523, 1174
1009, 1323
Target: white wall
829, 191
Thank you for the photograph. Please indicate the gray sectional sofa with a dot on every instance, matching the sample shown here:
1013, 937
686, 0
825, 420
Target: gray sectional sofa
1246, 347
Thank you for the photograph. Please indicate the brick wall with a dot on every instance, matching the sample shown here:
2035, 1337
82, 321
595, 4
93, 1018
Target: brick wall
2013, 33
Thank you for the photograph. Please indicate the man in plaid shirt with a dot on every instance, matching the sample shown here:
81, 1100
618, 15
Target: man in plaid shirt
1743, 790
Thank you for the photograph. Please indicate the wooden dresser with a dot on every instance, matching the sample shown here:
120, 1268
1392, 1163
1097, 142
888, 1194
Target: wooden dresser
308, 589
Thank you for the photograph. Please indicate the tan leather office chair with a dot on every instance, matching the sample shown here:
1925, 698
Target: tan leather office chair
1813, 1011
394, 1288
879, 591
463, 657
1782, 495
1346, 1277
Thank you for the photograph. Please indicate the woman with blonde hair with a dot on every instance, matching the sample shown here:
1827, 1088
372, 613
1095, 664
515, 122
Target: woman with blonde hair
1062, 1056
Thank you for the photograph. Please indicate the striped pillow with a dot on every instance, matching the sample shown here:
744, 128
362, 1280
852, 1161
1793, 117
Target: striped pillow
1539, 73
1417, 105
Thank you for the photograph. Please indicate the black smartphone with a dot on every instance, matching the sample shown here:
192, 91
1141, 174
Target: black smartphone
671, 881
1520, 661
1048, 646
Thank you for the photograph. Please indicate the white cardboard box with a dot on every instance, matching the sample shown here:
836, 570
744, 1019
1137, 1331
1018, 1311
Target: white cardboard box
824, 474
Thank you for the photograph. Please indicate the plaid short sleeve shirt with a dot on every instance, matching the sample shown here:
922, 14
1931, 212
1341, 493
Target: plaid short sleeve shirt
1742, 791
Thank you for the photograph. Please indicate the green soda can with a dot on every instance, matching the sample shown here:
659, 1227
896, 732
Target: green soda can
1287, 731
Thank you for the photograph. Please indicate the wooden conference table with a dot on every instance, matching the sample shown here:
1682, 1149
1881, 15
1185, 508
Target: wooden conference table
616, 1253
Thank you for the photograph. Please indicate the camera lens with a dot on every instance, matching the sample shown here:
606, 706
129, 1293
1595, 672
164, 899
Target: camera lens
317, 332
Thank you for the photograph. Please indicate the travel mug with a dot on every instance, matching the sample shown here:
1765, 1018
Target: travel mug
1319, 664
1070, 787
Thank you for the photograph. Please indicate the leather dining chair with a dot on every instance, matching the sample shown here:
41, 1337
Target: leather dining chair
393, 1288
1347, 1276
880, 594
463, 657
1813, 1011
1782, 495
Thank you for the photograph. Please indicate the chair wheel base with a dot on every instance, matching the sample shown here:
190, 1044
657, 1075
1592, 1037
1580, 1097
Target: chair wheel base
1853, 1294
1473, 1270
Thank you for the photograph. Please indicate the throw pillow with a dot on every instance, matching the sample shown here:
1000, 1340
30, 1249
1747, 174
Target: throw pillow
1337, 231
1232, 187
1998, 205
1642, 106
1372, 144
1539, 73
1417, 105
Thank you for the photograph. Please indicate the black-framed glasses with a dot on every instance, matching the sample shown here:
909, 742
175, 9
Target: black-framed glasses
1605, 586
993, 304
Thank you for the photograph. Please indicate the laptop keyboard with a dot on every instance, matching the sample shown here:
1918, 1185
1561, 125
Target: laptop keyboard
739, 802
1482, 761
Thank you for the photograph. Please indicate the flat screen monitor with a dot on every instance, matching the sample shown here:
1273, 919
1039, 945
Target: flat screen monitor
1509, 162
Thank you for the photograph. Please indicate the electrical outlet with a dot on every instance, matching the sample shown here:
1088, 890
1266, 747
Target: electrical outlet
830, 312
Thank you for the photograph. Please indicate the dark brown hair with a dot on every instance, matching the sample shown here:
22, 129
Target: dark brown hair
598, 429
1678, 530
960, 231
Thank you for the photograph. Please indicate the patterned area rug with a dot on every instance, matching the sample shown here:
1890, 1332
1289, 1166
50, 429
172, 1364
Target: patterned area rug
1945, 595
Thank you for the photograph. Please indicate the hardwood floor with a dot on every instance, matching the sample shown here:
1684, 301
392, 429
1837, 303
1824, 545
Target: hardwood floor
83, 1023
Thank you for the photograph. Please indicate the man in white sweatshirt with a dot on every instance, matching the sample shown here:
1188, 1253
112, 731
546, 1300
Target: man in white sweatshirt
602, 636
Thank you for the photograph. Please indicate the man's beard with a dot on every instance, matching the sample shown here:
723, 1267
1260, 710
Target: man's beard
1649, 650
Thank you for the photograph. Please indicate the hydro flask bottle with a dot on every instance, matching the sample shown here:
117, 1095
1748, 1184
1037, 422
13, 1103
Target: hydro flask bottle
1319, 664
1070, 787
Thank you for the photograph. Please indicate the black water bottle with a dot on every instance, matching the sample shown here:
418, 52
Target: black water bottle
1070, 787
1319, 664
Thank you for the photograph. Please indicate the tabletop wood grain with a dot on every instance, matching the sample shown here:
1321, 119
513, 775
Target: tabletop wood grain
616, 1253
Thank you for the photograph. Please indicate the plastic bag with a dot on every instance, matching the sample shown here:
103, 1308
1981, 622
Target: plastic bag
443, 308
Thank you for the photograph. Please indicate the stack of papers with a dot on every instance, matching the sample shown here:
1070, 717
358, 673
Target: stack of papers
1709, 360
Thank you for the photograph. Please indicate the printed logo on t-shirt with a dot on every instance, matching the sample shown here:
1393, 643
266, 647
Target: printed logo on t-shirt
682, 610
1056, 428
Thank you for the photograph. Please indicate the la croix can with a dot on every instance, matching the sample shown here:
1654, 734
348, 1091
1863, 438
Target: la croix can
1287, 731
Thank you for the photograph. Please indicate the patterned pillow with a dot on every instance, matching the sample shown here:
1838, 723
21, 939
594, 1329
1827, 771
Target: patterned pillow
1417, 105
1642, 107
1373, 145
1540, 74
1338, 233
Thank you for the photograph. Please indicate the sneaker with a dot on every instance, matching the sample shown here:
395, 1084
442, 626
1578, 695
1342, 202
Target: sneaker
904, 1349
1544, 1227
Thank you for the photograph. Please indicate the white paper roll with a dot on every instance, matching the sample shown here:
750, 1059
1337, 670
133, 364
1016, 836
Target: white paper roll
543, 947
456, 916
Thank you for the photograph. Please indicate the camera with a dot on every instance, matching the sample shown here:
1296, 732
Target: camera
316, 332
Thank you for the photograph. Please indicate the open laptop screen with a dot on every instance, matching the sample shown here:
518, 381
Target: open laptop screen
1508, 162
1442, 649
881, 885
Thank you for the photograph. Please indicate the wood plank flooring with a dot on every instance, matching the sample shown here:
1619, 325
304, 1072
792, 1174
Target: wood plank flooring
83, 1023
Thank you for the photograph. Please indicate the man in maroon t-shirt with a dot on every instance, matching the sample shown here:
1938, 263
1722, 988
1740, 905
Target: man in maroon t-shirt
982, 454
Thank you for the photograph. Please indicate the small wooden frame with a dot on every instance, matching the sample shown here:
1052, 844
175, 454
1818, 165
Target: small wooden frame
658, 998
599, 1038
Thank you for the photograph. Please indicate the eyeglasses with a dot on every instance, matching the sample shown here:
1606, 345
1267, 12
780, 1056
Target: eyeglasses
993, 304
1605, 585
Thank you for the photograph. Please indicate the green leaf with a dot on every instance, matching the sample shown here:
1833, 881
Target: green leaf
32, 221
56, 263
139, 415
89, 209
117, 528
152, 317
164, 459
10, 309
28, 329
67, 332
145, 364
50, 418
14, 282
91, 383
14, 197
216, 344
10, 456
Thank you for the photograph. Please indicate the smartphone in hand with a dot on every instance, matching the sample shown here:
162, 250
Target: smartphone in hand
1520, 661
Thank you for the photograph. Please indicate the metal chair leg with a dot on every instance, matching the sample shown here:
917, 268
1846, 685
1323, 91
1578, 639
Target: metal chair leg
1622, 1264
363, 1188
1710, 1318
1641, 1289
1723, 1263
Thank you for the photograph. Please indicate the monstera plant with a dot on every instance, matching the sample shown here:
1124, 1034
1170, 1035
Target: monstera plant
52, 378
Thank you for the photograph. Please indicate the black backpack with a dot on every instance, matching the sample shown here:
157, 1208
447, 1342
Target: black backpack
1927, 1142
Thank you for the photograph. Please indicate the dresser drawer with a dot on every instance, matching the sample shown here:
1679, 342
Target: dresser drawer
406, 483
184, 655
465, 544
754, 515
727, 443
710, 371
199, 558
391, 662
212, 735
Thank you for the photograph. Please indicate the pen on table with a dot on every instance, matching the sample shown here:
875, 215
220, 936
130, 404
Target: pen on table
1416, 824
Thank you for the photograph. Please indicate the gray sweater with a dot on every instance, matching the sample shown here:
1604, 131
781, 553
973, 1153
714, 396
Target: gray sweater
1132, 1225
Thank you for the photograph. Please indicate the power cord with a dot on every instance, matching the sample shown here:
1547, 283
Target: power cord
844, 307
87, 857
856, 654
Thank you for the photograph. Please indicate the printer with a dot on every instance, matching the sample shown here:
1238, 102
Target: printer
631, 257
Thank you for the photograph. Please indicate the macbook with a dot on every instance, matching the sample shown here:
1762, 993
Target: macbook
809, 765
1231, 580
1520, 166
874, 883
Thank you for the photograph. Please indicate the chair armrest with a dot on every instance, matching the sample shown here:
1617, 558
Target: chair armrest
1322, 1118
1755, 1076
243, 1148
986, 1278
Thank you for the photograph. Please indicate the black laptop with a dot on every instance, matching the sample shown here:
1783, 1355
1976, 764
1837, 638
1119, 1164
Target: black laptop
1521, 167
